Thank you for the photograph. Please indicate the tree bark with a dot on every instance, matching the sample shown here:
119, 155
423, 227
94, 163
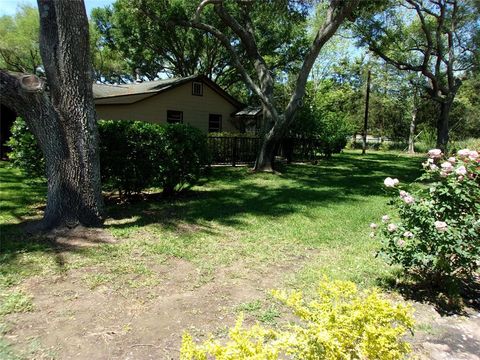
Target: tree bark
63, 121
411, 134
365, 123
443, 125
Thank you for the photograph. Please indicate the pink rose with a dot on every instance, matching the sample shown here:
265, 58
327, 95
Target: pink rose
385, 218
460, 178
409, 199
463, 152
401, 243
473, 155
373, 226
433, 167
461, 170
392, 227
389, 182
408, 234
441, 226
403, 193
452, 160
447, 166
435, 153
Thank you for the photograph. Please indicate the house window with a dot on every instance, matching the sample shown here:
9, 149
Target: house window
197, 88
215, 123
174, 117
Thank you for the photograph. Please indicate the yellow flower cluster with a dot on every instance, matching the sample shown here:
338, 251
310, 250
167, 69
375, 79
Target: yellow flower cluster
343, 323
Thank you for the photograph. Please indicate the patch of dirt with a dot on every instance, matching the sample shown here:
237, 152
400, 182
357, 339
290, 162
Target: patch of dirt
70, 321
452, 337
80, 237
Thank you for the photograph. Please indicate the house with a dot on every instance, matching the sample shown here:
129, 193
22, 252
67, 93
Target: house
194, 100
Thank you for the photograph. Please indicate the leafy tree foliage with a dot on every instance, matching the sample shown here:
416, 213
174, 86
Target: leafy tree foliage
434, 38
19, 44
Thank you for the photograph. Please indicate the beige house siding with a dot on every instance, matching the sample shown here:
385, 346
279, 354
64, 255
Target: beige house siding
196, 109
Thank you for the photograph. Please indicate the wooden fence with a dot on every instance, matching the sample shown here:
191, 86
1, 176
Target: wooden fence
235, 150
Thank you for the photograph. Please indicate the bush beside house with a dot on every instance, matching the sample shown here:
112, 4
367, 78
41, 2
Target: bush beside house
134, 155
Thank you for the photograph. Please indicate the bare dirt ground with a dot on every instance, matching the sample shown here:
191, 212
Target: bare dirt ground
73, 321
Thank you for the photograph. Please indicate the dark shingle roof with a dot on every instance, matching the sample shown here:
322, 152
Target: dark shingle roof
131, 93
102, 91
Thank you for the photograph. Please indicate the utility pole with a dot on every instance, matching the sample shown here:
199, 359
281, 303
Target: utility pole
365, 124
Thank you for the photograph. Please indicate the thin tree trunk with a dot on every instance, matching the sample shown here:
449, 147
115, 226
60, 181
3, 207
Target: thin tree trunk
442, 125
365, 123
411, 134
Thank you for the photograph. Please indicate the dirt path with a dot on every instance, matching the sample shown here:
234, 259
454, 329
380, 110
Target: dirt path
72, 321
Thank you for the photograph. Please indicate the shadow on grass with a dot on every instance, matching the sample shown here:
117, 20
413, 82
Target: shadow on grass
345, 178
230, 194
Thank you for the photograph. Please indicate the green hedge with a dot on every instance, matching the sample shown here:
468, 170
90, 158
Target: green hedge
134, 155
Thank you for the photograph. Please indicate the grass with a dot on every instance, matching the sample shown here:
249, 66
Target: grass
314, 217
320, 211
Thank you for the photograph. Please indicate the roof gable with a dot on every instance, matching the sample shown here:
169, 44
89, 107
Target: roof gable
131, 93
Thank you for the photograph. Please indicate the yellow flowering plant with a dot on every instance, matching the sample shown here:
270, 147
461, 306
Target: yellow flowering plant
341, 323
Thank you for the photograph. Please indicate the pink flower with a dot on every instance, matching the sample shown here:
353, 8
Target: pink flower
452, 160
385, 218
389, 182
463, 153
461, 170
409, 199
373, 226
441, 226
460, 178
447, 166
433, 167
408, 234
392, 227
435, 153
403, 193
473, 155
401, 243
443, 173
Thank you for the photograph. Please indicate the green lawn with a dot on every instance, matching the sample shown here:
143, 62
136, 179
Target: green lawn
322, 209
315, 215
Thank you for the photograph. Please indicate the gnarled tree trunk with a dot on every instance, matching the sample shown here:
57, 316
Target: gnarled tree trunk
63, 121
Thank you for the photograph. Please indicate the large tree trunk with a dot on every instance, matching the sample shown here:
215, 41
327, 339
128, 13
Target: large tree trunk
442, 125
411, 134
268, 149
64, 121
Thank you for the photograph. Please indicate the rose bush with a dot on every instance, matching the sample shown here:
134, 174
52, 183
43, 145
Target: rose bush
438, 232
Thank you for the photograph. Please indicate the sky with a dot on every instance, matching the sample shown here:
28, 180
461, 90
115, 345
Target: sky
8, 7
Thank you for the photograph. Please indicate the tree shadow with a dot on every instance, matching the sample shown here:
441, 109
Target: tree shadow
229, 197
447, 299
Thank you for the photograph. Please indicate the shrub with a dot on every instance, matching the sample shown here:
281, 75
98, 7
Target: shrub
26, 153
134, 155
184, 154
343, 323
438, 234
129, 154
